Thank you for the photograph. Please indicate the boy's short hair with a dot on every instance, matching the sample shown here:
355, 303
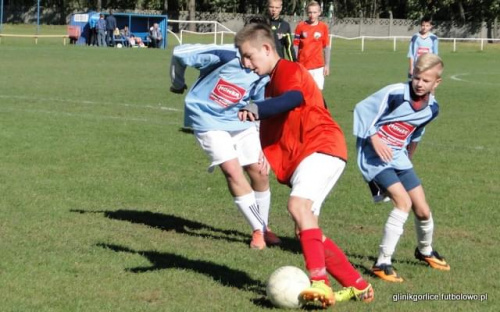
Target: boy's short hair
257, 33
426, 19
428, 61
313, 3
259, 19
269, 1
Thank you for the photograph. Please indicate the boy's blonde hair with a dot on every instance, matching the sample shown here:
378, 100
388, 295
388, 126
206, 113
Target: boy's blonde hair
428, 61
313, 3
256, 34
269, 1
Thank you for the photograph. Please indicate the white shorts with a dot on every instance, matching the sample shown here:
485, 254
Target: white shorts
318, 75
315, 177
222, 146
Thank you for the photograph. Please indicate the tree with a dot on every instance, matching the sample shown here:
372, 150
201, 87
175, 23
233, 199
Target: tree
192, 14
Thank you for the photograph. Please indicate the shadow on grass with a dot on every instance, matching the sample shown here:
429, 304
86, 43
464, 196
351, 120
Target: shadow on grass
167, 222
181, 225
224, 275
367, 270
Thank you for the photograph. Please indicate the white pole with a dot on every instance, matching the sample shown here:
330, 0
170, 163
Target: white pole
215, 33
394, 44
362, 43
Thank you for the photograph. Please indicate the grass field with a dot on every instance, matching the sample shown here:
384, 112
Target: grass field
106, 206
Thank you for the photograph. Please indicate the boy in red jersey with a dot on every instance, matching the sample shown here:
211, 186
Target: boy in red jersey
312, 44
307, 151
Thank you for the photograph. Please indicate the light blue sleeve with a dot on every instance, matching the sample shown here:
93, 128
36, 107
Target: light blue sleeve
368, 112
199, 56
411, 47
435, 47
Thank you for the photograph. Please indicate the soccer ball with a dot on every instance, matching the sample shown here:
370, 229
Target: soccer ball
119, 45
284, 286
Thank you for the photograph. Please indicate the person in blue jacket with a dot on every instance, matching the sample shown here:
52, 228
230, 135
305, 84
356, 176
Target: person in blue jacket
93, 18
388, 126
211, 110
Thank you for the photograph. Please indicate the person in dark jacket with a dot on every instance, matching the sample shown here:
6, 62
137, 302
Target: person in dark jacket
110, 28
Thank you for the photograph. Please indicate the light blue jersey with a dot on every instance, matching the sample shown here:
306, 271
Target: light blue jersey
392, 115
419, 45
222, 88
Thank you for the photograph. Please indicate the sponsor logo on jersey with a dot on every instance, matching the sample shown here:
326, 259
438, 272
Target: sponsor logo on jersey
226, 93
396, 134
422, 50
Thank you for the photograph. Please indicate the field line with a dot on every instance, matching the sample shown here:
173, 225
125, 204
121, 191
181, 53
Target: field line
86, 102
89, 116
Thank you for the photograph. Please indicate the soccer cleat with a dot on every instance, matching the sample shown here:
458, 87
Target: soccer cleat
377, 199
178, 91
270, 238
434, 260
257, 240
319, 293
352, 293
387, 273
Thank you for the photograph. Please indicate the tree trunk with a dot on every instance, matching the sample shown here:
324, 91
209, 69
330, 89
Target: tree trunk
192, 14
99, 5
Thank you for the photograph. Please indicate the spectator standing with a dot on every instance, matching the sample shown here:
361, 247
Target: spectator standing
101, 31
110, 27
93, 19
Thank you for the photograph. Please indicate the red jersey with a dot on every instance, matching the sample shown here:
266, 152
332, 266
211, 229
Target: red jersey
311, 40
290, 137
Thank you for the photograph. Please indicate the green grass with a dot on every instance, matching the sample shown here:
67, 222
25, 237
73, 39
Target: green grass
107, 206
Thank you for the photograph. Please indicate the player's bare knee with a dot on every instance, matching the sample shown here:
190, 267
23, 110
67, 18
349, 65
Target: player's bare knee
402, 202
422, 212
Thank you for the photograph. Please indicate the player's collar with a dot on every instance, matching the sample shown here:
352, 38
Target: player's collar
418, 102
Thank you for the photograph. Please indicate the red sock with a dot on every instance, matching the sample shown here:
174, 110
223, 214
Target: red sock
314, 254
340, 268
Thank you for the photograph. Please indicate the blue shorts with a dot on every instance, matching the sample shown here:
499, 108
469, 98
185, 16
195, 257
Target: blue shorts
388, 177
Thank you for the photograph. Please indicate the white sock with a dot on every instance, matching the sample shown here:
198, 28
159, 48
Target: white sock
392, 232
250, 210
425, 231
263, 200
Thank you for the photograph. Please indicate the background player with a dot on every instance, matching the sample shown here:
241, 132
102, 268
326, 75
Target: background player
306, 150
312, 44
422, 42
281, 29
388, 126
211, 108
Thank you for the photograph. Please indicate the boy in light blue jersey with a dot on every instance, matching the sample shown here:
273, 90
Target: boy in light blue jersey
422, 42
211, 110
388, 126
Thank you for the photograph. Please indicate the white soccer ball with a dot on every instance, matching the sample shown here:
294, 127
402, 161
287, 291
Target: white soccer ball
119, 46
284, 286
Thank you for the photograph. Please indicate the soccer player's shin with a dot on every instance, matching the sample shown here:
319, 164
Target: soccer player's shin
340, 268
